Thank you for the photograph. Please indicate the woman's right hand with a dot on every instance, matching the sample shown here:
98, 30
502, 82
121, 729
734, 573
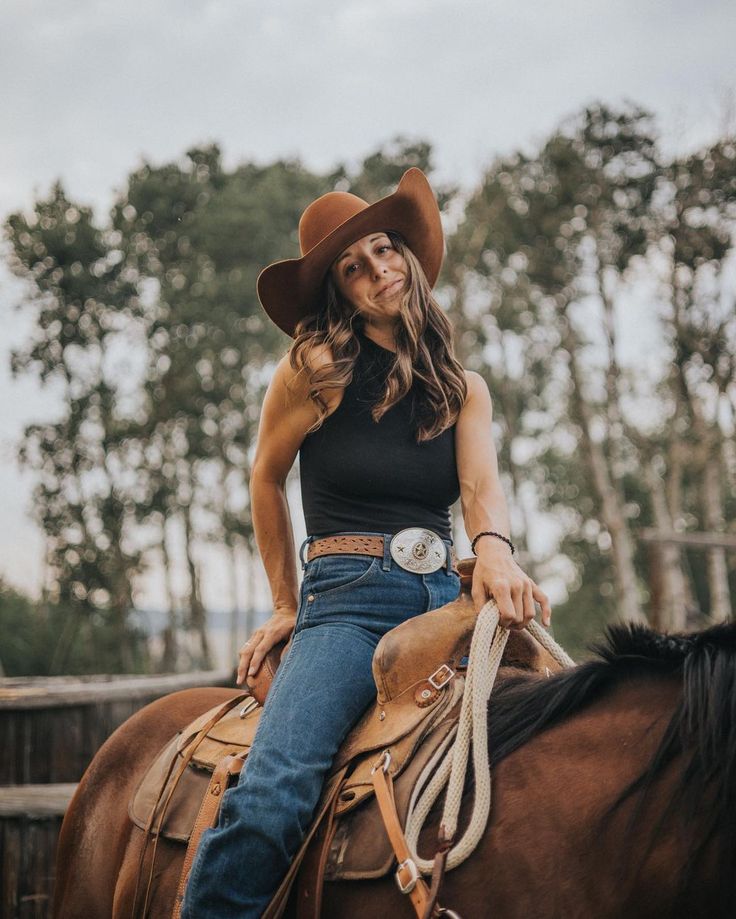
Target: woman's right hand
276, 629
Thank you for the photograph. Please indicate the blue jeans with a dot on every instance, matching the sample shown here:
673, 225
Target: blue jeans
322, 686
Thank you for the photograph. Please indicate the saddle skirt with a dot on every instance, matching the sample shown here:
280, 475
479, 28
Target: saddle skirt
418, 669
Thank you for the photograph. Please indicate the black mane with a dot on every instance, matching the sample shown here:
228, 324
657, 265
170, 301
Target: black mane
701, 730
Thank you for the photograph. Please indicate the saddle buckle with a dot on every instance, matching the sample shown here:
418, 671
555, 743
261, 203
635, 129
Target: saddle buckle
410, 866
442, 676
249, 706
382, 763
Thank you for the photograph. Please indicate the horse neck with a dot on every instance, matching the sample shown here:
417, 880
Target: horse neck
553, 811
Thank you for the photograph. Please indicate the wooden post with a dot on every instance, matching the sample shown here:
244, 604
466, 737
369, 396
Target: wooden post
30, 820
70, 718
49, 730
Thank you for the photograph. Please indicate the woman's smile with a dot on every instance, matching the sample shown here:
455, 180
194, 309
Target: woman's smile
391, 289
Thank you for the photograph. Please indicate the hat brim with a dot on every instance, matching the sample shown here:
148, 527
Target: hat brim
289, 289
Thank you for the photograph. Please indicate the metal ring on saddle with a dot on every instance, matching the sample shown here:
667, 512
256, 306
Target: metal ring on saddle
419, 550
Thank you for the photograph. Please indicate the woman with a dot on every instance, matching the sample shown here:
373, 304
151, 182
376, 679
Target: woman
390, 431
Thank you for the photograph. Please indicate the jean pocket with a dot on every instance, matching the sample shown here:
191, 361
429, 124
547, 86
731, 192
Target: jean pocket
334, 573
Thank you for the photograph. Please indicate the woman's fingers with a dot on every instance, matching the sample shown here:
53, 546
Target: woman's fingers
261, 650
515, 602
507, 615
541, 597
244, 658
517, 598
252, 654
517, 594
250, 657
529, 610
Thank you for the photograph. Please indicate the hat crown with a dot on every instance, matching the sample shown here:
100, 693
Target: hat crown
325, 214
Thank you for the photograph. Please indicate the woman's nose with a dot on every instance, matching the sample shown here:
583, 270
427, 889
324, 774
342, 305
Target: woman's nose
377, 269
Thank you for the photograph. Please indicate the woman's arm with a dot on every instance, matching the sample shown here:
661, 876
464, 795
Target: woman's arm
484, 508
286, 415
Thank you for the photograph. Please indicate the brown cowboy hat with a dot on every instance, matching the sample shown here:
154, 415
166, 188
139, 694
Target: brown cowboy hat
289, 289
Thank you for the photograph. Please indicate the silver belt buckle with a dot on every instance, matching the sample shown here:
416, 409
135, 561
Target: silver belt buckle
418, 550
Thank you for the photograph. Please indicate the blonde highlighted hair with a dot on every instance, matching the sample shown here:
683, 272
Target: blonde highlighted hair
425, 354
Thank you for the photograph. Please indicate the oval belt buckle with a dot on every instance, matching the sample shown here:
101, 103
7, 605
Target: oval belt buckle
418, 550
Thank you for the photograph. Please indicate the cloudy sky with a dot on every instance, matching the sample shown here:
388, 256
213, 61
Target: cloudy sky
88, 88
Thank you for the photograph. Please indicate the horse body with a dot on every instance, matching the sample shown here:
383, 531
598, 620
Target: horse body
544, 853
96, 855
586, 816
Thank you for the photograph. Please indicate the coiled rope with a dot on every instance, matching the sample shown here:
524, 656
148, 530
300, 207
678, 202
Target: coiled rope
486, 650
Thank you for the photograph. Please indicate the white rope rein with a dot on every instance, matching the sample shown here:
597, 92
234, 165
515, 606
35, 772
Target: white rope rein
486, 650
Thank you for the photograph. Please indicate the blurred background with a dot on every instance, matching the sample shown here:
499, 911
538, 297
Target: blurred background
157, 155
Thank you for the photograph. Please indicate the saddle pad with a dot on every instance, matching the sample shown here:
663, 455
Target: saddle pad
233, 733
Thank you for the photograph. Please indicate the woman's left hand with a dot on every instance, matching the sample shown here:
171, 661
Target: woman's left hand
497, 575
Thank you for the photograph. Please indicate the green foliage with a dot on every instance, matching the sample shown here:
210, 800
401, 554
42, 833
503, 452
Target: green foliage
50, 639
579, 621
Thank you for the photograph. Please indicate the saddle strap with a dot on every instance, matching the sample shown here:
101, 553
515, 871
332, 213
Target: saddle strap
206, 817
311, 876
161, 806
408, 878
276, 907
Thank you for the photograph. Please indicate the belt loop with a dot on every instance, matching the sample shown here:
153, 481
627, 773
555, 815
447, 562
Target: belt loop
301, 551
386, 552
448, 564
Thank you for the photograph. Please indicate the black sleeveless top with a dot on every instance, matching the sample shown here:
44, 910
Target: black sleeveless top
357, 474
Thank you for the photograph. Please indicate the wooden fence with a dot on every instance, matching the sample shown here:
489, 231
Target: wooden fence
49, 731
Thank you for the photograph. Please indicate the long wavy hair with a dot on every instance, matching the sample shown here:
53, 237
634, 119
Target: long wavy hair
425, 355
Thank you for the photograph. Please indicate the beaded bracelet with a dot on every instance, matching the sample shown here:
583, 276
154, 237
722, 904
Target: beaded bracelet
491, 533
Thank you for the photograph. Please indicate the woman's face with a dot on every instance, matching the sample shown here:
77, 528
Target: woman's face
372, 275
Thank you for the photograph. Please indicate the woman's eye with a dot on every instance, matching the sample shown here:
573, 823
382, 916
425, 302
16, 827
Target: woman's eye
350, 268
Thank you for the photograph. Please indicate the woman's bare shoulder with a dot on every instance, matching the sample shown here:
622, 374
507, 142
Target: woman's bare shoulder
294, 382
319, 355
477, 397
315, 358
475, 382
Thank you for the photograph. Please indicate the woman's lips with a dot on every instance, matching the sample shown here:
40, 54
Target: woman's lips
391, 288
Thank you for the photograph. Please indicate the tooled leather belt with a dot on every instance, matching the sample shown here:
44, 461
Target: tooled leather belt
415, 549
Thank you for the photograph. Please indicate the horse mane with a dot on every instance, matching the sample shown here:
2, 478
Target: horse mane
701, 730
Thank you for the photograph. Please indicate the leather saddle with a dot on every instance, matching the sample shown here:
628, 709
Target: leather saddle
418, 668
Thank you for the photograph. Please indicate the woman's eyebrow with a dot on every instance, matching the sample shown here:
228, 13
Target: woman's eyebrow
348, 253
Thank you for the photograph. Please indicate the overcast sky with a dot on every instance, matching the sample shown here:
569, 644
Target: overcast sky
90, 87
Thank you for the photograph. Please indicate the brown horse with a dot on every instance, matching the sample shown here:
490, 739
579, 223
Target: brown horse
614, 795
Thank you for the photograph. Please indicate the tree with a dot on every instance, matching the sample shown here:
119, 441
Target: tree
695, 237
535, 265
196, 238
76, 286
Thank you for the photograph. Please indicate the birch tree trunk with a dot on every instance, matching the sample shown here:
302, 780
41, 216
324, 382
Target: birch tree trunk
235, 606
197, 615
672, 609
720, 596
611, 501
170, 656
711, 494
